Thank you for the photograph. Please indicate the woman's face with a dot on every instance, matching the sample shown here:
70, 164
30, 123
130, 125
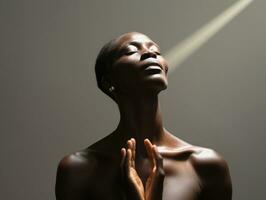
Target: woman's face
138, 65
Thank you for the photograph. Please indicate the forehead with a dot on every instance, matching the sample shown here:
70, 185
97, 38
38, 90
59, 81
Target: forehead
134, 38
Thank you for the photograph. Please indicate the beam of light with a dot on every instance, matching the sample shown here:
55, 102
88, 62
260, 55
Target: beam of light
179, 53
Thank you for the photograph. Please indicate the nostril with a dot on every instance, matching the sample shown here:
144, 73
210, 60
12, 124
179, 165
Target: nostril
148, 55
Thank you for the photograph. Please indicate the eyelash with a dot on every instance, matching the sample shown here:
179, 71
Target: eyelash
132, 52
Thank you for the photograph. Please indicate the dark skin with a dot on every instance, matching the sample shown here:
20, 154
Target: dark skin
141, 160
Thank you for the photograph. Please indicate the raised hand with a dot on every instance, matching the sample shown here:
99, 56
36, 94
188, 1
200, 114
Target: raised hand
154, 183
135, 189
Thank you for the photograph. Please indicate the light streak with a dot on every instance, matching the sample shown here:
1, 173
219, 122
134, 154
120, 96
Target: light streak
179, 53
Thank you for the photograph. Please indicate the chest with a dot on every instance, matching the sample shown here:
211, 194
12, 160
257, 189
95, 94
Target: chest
180, 183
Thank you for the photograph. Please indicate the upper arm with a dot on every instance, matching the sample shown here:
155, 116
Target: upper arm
214, 175
69, 179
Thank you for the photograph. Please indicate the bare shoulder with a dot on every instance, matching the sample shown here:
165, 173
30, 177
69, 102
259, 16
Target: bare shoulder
213, 172
208, 158
210, 167
72, 174
201, 158
73, 162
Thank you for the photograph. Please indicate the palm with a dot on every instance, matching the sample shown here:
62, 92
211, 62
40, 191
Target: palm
149, 182
136, 181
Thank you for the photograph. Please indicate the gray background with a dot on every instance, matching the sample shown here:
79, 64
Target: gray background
50, 105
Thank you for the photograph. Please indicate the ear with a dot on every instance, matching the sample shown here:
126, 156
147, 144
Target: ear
106, 83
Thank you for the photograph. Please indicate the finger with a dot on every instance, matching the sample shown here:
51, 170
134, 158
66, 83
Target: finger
122, 163
129, 144
148, 146
133, 149
123, 157
149, 150
158, 159
129, 158
157, 155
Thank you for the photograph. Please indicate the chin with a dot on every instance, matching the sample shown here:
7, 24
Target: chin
156, 83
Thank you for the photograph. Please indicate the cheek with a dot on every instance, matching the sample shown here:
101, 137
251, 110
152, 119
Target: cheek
125, 69
125, 74
127, 65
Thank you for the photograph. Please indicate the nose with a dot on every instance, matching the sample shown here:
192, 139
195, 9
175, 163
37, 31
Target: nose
148, 54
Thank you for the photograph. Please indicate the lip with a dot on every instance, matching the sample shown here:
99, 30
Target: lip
153, 66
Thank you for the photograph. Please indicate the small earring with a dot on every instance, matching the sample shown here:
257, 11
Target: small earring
111, 89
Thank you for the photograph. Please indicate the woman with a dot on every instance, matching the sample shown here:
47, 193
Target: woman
140, 160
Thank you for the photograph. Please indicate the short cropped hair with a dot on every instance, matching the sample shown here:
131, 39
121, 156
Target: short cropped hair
104, 62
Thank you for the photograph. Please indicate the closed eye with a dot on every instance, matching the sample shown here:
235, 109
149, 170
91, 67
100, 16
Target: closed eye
130, 52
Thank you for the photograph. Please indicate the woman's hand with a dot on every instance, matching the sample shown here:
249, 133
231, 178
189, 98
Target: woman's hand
154, 183
135, 189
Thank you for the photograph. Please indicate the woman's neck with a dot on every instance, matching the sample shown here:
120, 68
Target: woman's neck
140, 119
